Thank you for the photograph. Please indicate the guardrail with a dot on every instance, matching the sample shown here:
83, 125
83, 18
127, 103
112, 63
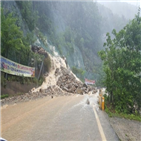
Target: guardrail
101, 99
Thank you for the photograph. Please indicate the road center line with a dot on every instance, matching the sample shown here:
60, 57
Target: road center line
99, 126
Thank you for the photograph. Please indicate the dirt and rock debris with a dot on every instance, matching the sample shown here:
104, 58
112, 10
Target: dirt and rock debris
61, 80
68, 83
58, 82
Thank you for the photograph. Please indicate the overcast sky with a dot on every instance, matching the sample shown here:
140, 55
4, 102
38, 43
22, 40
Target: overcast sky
134, 2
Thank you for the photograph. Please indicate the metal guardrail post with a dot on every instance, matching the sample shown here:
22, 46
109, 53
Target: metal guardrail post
101, 100
102, 104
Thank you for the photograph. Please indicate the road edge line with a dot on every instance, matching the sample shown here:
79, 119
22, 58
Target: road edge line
99, 126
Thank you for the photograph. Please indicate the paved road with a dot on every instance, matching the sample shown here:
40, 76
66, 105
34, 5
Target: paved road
63, 118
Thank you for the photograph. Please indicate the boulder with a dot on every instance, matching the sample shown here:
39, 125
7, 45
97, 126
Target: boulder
57, 72
78, 91
42, 90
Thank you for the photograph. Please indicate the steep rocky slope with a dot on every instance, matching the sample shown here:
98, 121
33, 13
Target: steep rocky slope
61, 79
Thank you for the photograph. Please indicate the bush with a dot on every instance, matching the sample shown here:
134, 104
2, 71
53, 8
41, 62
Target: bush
4, 96
35, 80
41, 80
3, 81
79, 72
22, 79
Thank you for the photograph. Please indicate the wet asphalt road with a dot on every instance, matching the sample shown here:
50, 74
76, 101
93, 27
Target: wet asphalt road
63, 118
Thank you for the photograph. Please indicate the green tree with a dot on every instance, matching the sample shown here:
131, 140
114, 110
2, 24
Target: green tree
11, 35
122, 66
14, 45
79, 72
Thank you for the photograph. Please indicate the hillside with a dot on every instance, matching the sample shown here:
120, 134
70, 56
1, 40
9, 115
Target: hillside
75, 30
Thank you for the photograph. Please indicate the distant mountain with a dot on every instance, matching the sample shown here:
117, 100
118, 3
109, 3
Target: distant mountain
122, 9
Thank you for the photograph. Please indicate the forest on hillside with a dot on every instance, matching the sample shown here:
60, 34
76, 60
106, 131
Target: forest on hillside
77, 30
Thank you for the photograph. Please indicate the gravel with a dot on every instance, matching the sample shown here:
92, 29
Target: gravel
127, 130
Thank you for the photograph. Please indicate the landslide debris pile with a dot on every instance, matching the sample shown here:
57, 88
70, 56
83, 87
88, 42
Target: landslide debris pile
68, 82
59, 81
65, 83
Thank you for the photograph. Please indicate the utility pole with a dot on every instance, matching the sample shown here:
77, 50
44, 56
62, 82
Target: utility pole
40, 69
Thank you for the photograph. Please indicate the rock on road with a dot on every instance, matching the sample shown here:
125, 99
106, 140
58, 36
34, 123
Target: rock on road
63, 118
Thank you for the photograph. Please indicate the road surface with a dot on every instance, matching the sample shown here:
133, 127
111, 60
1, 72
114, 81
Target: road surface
63, 118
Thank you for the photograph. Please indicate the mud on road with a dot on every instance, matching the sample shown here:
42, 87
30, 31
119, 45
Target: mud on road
63, 118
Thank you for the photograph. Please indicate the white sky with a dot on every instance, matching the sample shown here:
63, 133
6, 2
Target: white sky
133, 2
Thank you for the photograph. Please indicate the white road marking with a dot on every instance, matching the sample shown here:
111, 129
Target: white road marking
99, 126
1, 122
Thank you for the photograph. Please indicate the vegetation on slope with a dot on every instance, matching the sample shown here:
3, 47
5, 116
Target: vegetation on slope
122, 66
69, 26
16, 46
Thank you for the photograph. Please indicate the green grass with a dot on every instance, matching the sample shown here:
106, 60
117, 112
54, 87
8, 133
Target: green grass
4, 96
111, 113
